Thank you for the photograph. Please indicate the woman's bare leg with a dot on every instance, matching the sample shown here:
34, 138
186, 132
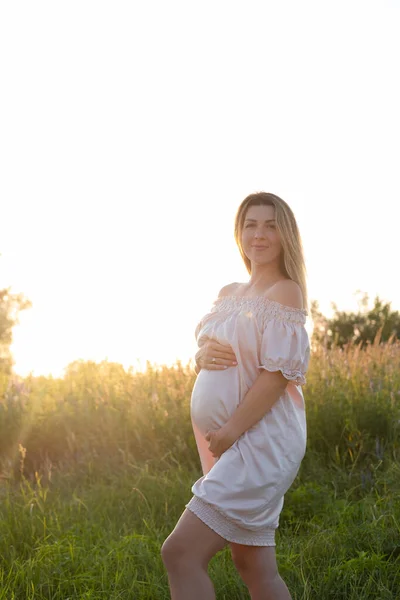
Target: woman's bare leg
258, 569
186, 553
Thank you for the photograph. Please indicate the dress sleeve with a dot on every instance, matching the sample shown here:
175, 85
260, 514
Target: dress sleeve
285, 347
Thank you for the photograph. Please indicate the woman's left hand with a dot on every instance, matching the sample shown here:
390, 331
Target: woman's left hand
220, 440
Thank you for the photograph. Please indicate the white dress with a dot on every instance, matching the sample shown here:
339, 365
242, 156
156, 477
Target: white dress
240, 495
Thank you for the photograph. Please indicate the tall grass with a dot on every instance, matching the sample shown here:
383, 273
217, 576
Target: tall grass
96, 468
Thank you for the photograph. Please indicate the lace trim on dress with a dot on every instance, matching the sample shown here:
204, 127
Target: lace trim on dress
227, 528
292, 374
264, 306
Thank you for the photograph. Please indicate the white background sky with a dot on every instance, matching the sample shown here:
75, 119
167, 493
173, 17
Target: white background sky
131, 131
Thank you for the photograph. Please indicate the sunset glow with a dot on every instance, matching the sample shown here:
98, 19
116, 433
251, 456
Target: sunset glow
132, 132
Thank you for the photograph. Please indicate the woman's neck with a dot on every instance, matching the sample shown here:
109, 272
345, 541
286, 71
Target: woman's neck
263, 278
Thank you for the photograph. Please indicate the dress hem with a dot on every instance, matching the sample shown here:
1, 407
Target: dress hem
227, 529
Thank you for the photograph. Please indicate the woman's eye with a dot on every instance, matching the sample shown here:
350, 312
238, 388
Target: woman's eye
249, 225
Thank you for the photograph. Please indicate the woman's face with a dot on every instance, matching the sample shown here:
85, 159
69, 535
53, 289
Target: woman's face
260, 239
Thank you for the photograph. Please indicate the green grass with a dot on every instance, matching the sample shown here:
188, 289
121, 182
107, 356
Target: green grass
96, 470
103, 540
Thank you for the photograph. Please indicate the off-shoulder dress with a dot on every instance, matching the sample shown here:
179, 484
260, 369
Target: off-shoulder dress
240, 495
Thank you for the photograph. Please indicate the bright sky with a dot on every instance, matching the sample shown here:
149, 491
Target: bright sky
130, 133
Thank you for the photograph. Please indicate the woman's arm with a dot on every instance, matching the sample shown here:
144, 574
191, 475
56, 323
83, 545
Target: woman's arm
266, 390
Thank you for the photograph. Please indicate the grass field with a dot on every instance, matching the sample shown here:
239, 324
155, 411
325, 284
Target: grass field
96, 469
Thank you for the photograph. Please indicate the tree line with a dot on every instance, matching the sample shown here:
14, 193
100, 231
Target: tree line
377, 323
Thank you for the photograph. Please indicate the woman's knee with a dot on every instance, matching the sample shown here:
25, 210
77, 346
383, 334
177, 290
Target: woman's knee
172, 551
192, 542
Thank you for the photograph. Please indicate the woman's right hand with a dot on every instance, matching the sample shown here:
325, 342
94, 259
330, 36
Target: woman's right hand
215, 356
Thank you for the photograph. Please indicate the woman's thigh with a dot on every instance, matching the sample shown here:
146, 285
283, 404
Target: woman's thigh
191, 541
253, 560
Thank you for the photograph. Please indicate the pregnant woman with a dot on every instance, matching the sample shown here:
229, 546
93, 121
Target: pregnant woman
247, 410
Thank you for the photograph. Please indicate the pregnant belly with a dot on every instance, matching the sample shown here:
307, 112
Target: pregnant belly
215, 397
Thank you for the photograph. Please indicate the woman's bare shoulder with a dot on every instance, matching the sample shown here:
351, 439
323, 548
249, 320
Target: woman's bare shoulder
287, 292
227, 290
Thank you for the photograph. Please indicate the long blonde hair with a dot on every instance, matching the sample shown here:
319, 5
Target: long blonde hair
292, 259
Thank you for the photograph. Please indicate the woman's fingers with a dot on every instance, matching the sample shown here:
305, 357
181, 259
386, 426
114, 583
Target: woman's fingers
221, 350
216, 367
222, 361
215, 356
219, 355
